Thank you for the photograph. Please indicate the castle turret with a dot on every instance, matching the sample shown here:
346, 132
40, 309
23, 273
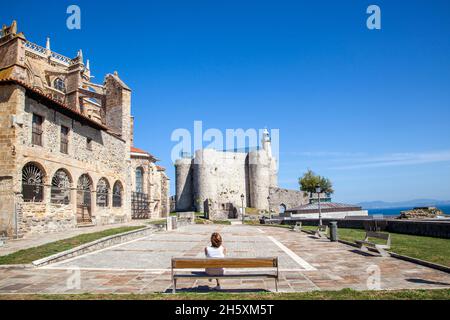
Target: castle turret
205, 179
184, 184
266, 143
260, 179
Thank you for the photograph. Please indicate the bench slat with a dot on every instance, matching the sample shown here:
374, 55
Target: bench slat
225, 276
367, 243
191, 263
377, 235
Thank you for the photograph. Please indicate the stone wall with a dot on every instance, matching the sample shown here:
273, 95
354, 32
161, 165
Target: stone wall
11, 99
287, 198
437, 229
219, 177
43, 218
107, 159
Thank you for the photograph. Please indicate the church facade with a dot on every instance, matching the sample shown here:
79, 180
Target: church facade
66, 145
220, 183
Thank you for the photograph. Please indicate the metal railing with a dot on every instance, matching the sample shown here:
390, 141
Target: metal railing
33, 192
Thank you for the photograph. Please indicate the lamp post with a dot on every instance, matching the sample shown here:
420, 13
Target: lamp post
270, 212
242, 207
319, 191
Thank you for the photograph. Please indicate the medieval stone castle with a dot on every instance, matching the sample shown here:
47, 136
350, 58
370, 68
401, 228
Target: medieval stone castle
66, 145
220, 183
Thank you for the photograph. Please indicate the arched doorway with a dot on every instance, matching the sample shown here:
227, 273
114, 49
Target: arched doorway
84, 200
282, 208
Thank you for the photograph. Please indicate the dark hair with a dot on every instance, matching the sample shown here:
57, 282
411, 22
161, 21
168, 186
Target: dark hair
216, 240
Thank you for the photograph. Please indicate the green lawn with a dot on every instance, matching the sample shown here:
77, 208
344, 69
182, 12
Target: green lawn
29, 255
200, 220
158, 222
346, 294
435, 250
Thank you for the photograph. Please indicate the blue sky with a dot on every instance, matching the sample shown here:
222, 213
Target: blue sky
368, 109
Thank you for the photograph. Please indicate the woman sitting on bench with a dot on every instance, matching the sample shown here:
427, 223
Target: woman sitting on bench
216, 250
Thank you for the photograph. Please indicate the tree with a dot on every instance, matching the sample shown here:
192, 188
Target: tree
310, 181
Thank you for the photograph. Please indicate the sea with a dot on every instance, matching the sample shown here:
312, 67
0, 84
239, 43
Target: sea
394, 212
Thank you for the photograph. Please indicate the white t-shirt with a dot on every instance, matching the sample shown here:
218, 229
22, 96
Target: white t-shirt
212, 252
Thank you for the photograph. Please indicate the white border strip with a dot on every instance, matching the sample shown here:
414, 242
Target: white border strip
156, 271
95, 252
305, 265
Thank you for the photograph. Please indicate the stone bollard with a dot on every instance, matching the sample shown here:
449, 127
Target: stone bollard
171, 223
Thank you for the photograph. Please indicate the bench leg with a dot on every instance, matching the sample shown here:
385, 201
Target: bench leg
363, 248
276, 285
174, 288
383, 252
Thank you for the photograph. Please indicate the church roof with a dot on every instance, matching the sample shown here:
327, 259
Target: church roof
48, 101
140, 152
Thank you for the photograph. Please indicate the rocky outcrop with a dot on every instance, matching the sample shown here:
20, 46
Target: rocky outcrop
421, 213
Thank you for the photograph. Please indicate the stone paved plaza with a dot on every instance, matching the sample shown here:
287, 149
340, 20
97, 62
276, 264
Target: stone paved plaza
143, 265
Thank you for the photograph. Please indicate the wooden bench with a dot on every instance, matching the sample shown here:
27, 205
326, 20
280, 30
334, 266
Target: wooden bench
219, 263
380, 248
322, 231
297, 227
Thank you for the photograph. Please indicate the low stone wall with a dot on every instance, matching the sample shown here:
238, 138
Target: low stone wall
287, 198
436, 229
185, 218
181, 220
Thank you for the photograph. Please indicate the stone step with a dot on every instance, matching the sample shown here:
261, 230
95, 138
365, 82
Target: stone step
85, 225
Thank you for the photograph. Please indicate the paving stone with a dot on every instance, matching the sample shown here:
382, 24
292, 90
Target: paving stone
144, 265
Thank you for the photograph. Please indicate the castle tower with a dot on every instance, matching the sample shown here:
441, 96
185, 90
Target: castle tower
260, 178
205, 178
184, 185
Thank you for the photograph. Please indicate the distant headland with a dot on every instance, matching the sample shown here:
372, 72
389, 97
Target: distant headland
404, 204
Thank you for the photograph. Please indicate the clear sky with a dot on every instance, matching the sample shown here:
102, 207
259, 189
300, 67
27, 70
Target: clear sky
370, 109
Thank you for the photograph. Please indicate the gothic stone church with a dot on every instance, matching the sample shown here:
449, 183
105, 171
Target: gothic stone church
66, 145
